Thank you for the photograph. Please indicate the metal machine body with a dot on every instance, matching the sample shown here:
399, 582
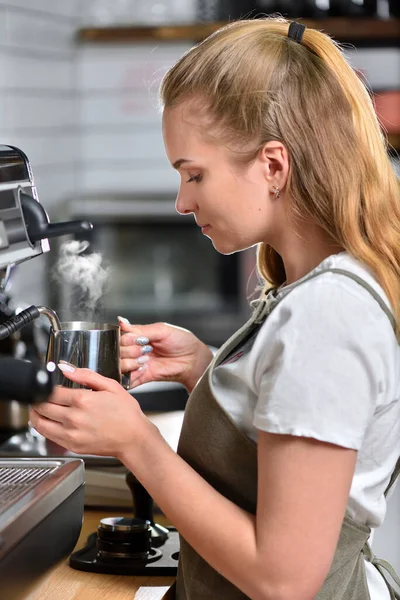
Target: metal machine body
24, 224
16, 177
42, 498
41, 510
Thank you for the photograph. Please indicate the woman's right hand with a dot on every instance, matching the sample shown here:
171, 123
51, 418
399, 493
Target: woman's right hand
162, 352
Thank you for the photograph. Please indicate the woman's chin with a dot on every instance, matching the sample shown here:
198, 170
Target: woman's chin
224, 247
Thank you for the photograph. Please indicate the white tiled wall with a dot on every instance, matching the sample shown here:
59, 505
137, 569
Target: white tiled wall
138, 12
379, 66
39, 107
67, 9
122, 147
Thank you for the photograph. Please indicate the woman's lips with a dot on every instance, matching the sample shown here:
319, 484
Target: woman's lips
204, 228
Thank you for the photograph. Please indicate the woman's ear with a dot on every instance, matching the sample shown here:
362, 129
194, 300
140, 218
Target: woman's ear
275, 163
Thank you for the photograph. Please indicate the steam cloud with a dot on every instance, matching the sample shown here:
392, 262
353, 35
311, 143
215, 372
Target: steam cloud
85, 276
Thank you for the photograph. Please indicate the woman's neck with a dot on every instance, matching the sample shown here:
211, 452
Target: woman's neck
301, 255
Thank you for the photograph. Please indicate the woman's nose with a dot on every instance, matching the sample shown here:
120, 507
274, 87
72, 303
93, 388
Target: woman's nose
183, 204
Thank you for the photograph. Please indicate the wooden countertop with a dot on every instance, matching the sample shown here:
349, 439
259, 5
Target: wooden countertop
64, 583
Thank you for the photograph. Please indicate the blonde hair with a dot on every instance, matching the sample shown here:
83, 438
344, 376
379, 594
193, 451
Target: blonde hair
259, 85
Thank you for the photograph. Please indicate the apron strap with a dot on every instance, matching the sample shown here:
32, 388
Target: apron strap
271, 302
394, 476
384, 569
371, 290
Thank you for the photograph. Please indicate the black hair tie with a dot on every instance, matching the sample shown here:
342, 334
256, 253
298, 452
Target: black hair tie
296, 31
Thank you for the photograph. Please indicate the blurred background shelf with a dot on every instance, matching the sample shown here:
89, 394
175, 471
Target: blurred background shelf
394, 141
382, 31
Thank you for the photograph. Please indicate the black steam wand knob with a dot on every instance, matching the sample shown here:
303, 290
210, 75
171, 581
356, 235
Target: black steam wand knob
27, 382
143, 509
38, 225
17, 322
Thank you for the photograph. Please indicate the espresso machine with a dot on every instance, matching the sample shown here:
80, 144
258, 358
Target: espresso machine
42, 484
25, 231
40, 499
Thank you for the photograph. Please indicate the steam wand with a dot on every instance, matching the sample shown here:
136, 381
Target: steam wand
26, 316
38, 225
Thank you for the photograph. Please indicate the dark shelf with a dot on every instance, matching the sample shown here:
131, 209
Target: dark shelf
377, 31
394, 141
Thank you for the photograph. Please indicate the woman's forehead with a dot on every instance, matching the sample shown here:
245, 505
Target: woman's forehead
181, 126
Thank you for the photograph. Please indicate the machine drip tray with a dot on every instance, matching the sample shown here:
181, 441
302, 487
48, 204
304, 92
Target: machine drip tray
88, 559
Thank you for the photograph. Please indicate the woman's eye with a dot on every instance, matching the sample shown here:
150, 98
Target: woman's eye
195, 178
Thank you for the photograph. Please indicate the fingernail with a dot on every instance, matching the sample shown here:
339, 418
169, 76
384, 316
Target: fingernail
142, 359
66, 367
135, 375
142, 341
123, 320
146, 349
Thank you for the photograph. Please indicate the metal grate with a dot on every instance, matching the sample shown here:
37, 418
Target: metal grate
16, 481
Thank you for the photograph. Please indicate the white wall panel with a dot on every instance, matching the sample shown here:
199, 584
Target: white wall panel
55, 186
143, 145
110, 12
120, 118
122, 108
386, 541
2, 24
45, 150
34, 73
127, 179
60, 8
3, 116
38, 107
117, 67
31, 31
380, 66
39, 112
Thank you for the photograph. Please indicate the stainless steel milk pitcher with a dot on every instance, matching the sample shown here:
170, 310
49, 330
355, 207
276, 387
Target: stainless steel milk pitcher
86, 345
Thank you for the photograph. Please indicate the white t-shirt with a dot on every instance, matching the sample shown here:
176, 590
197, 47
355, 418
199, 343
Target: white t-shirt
326, 365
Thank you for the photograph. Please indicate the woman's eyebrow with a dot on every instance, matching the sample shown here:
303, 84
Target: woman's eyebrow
180, 162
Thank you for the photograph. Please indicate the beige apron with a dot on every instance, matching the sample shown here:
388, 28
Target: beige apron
225, 457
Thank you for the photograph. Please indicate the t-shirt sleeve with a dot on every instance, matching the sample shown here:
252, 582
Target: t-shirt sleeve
320, 375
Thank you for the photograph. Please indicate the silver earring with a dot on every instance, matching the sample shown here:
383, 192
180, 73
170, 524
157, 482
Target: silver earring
277, 192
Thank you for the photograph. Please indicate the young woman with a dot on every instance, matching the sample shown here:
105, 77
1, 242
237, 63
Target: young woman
292, 431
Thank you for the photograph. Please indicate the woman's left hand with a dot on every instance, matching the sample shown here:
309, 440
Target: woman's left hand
103, 420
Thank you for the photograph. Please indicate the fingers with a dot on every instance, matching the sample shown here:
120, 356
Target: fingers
62, 396
141, 373
142, 334
55, 412
134, 338
139, 377
134, 350
129, 348
51, 430
133, 364
88, 378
